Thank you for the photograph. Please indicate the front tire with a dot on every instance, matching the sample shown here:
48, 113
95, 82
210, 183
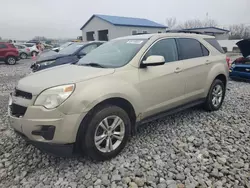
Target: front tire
106, 134
34, 53
215, 96
11, 60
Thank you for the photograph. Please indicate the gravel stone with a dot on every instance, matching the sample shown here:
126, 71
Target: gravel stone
133, 185
116, 178
139, 181
180, 177
222, 160
192, 148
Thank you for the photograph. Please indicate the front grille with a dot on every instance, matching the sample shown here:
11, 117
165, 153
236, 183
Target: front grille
17, 110
22, 94
242, 69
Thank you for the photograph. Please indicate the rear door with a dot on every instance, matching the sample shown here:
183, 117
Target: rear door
3, 51
195, 58
162, 87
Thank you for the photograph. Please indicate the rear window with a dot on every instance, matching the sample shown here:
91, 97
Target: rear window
3, 46
29, 45
215, 44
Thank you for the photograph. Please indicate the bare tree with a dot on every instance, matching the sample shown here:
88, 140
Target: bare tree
171, 22
198, 23
210, 23
40, 38
239, 31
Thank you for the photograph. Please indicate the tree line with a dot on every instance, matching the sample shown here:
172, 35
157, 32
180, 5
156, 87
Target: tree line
237, 31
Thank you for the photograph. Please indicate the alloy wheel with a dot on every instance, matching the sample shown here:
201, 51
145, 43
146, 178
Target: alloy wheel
217, 95
109, 134
11, 60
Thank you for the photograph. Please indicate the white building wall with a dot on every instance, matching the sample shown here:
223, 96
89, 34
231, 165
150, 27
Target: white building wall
121, 31
97, 24
224, 36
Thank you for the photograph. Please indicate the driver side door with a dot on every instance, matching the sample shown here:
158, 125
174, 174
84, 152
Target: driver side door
162, 87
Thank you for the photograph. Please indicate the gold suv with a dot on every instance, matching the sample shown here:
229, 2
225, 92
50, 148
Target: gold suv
95, 105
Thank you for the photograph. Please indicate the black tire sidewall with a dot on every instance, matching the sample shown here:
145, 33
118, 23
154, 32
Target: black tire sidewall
34, 53
209, 104
23, 54
7, 60
88, 145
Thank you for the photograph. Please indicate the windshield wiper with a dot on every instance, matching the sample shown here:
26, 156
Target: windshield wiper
92, 65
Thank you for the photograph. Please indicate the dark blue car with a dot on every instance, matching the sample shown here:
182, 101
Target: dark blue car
68, 55
240, 68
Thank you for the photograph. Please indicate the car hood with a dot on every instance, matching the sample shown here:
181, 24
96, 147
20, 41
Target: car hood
48, 56
244, 46
66, 74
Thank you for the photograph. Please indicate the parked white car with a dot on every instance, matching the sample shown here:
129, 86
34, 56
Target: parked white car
33, 48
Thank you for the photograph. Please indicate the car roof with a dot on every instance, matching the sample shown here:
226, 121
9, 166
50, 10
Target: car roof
88, 42
160, 35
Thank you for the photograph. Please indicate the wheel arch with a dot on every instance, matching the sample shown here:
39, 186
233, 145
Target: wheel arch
116, 101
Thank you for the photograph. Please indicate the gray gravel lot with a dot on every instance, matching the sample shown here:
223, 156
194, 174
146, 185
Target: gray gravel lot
189, 149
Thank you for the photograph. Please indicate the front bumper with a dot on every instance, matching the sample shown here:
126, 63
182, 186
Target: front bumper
62, 150
42, 125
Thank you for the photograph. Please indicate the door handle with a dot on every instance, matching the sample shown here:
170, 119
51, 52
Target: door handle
177, 70
208, 62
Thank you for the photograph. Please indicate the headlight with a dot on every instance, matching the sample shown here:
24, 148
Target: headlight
47, 62
55, 96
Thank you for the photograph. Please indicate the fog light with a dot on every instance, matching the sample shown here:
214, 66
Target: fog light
47, 132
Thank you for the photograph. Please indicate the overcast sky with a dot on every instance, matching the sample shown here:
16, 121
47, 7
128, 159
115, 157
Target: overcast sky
24, 19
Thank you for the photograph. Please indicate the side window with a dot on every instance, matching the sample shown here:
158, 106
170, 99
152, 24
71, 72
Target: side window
2, 46
189, 48
204, 50
166, 48
88, 49
144, 32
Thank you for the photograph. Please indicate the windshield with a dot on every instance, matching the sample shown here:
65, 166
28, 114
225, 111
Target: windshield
70, 49
115, 53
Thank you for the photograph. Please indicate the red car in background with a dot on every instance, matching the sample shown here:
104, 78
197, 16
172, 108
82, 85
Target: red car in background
8, 53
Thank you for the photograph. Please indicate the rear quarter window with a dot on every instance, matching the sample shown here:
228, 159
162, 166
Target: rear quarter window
215, 44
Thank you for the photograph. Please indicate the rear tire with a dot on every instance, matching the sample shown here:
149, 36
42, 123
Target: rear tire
23, 56
11, 60
215, 96
99, 138
34, 53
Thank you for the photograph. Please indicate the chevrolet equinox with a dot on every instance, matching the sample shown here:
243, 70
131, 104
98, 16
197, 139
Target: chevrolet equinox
92, 107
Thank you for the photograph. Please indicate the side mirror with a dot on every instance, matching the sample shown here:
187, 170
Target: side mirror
154, 60
81, 54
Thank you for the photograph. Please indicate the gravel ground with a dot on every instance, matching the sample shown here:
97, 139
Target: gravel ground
189, 149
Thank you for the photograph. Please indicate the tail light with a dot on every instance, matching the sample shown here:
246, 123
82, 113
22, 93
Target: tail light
228, 60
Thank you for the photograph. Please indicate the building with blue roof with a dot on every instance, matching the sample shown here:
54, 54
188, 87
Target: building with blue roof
106, 27
218, 33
